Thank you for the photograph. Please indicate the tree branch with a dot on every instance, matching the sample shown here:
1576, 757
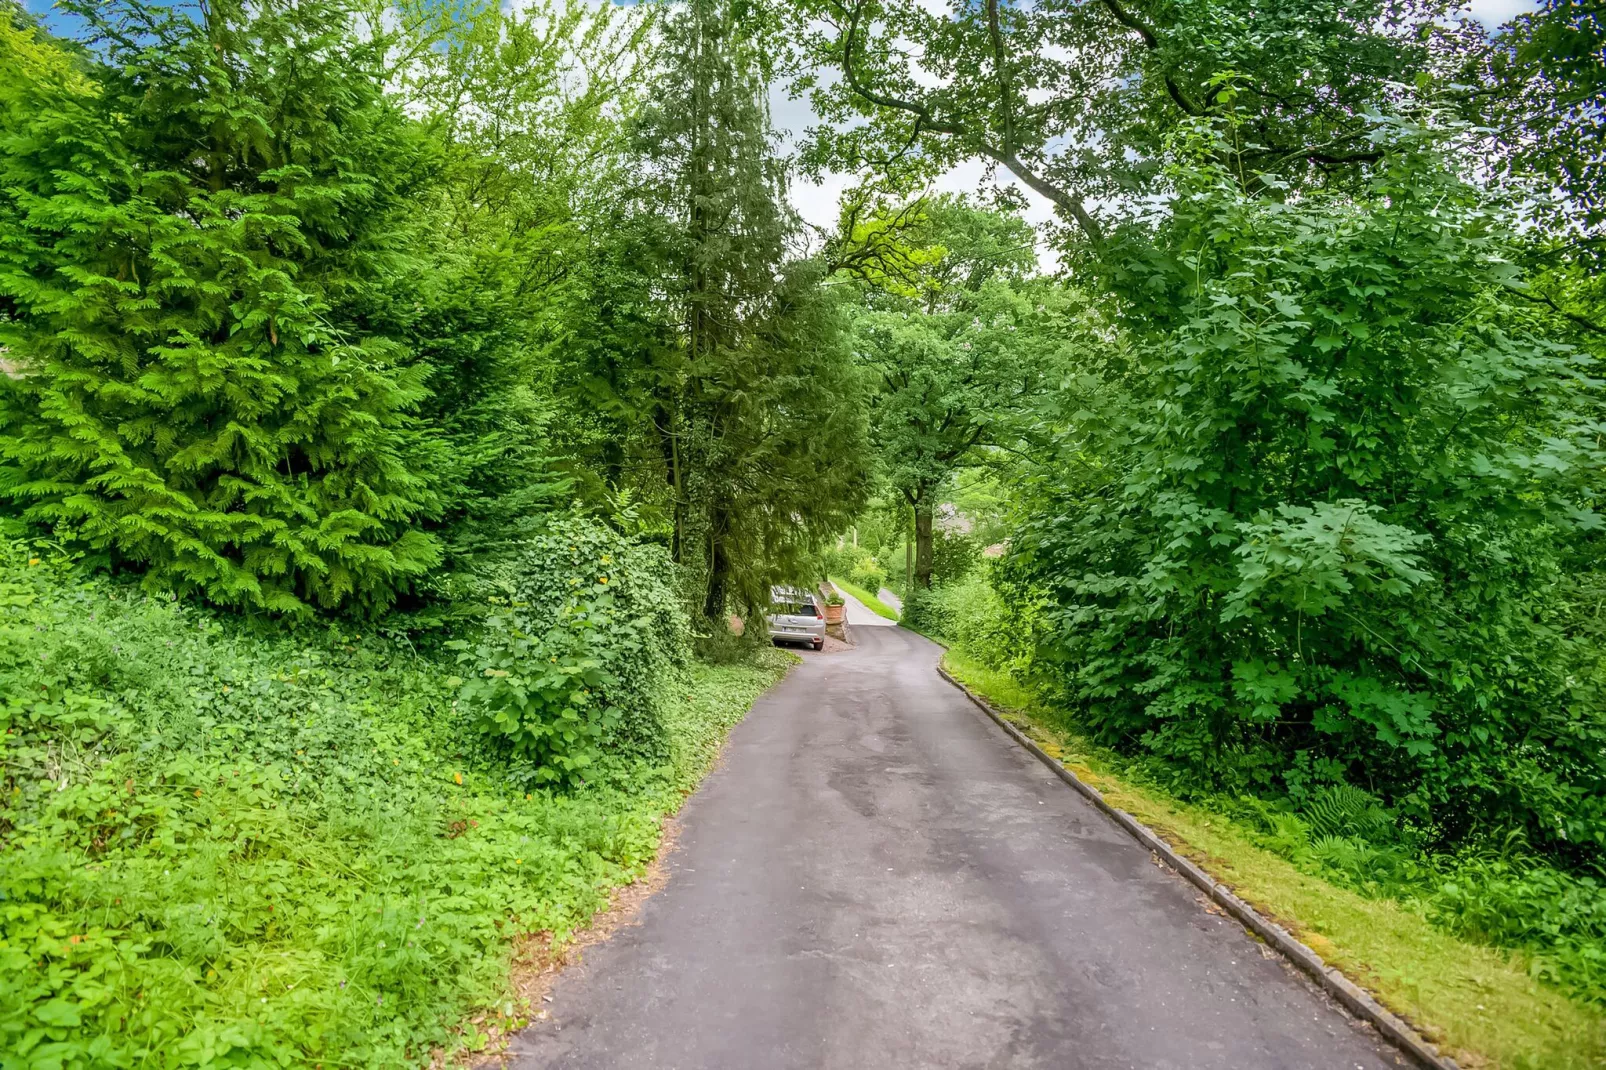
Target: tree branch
1001, 69
1151, 41
1007, 156
1541, 299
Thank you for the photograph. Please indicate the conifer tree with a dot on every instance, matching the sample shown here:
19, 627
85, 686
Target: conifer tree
757, 412
192, 243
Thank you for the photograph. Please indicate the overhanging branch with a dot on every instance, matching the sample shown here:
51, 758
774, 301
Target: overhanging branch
1006, 155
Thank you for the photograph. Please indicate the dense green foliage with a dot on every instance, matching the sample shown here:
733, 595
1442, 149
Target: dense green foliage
1077, 100
217, 379
1498, 891
587, 643
958, 344
224, 848
732, 388
858, 567
363, 331
1335, 471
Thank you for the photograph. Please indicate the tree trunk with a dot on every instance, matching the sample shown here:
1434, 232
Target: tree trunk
909, 556
923, 511
717, 596
714, 598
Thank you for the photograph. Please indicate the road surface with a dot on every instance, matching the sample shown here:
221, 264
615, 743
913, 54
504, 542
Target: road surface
876, 877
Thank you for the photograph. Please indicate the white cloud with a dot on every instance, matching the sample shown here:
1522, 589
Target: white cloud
1495, 13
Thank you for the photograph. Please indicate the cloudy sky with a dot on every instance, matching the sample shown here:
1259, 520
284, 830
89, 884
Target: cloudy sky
818, 202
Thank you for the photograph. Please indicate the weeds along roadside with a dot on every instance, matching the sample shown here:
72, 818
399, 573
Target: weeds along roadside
1490, 952
224, 845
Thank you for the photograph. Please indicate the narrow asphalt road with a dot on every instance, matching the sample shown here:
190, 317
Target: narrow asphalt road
876, 877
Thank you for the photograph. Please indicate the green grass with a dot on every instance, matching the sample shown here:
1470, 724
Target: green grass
871, 602
219, 847
1483, 1005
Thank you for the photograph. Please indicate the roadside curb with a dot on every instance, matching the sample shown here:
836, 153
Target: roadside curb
1355, 999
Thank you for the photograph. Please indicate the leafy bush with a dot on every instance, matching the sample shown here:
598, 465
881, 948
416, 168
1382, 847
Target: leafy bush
223, 848
954, 555
970, 616
541, 691
591, 642
1336, 471
856, 565
1509, 900
1498, 894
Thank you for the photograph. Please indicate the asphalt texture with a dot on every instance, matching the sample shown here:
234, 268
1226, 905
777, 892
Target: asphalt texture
877, 877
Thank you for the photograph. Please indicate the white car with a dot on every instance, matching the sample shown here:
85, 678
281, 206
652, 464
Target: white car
796, 617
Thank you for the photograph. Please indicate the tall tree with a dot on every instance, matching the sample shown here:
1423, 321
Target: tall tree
1305, 523
1076, 99
746, 385
532, 105
959, 341
194, 248
1541, 99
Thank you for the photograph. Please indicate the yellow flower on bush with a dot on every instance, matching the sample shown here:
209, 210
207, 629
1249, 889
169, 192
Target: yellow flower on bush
32, 561
457, 777
602, 579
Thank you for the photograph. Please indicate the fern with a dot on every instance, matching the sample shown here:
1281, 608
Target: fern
1345, 810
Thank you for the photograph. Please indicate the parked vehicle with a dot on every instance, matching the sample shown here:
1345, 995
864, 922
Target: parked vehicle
796, 617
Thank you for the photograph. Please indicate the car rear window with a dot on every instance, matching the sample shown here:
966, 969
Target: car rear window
799, 609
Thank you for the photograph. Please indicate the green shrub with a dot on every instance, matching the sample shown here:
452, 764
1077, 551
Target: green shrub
856, 565
1496, 893
867, 573
1509, 900
1323, 535
540, 687
591, 642
969, 616
954, 555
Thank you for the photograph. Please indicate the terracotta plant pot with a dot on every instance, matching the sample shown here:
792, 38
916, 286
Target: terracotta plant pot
833, 614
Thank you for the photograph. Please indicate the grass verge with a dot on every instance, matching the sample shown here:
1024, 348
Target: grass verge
1481, 1005
871, 602
223, 847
